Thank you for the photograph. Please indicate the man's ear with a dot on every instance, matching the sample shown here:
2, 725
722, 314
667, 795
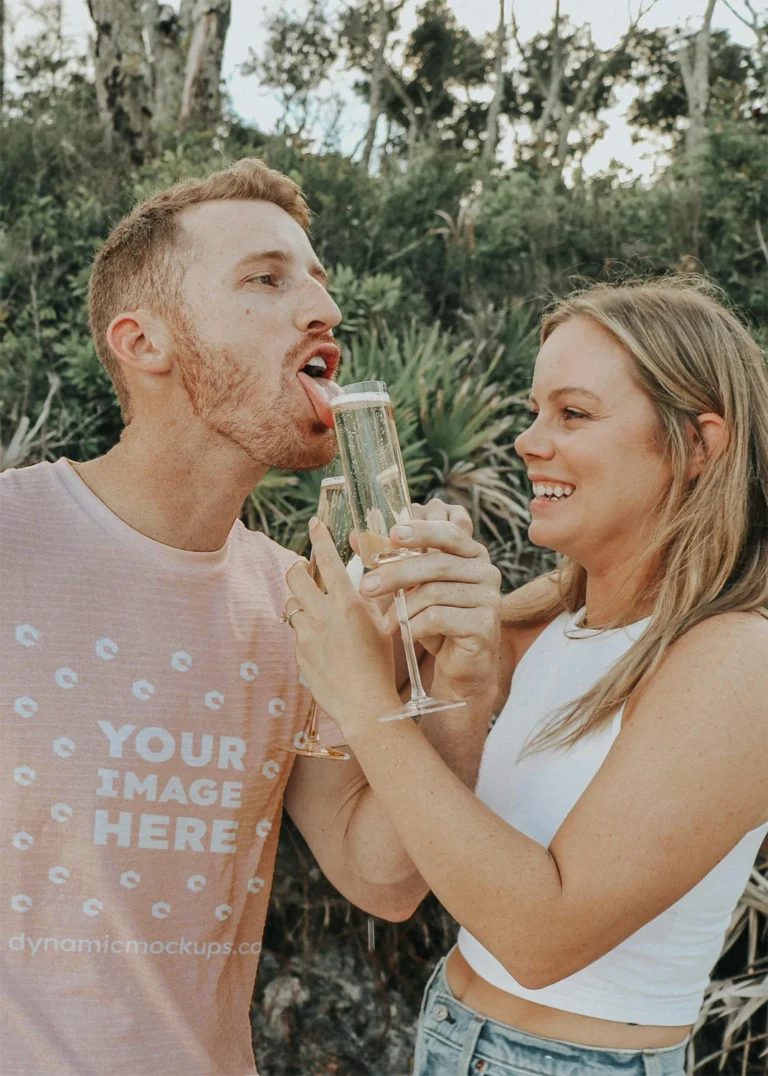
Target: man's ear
710, 441
141, 341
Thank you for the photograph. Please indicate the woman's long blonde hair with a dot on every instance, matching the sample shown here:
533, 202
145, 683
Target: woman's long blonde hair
710, 549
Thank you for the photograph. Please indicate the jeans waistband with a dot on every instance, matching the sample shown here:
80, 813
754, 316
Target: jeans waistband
444, 1015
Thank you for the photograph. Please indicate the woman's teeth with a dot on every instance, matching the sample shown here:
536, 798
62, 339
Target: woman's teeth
555, 493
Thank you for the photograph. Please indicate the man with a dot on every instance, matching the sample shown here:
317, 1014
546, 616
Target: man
149, 688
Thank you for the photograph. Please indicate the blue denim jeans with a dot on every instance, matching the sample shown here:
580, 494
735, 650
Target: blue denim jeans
452, 1040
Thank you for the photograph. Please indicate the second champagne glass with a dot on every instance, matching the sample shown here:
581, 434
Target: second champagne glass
333, 510
378, 499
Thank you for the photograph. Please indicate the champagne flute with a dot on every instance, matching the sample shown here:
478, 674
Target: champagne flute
378, 499
333, 510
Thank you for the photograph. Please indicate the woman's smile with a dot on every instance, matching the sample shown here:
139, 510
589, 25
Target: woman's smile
549, 490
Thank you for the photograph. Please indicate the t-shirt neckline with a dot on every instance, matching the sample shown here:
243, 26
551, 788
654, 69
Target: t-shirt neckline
170, 556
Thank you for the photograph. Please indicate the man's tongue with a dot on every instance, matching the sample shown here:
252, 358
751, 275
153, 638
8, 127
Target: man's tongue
320, 391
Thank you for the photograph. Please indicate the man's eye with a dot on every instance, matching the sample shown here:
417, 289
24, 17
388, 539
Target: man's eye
262, 278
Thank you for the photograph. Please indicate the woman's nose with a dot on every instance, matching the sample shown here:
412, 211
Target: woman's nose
534, 442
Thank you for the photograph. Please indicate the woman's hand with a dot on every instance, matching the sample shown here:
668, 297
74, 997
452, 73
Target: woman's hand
342, 651
453, 598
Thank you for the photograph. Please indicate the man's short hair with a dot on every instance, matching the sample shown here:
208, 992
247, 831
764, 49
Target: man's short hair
142, 261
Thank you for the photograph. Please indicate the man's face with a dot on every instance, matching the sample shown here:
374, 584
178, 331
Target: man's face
255, 308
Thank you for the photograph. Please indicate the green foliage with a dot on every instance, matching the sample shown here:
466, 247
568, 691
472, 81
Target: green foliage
366, 301
661, 103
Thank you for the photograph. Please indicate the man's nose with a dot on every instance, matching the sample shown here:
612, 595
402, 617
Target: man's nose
317, 312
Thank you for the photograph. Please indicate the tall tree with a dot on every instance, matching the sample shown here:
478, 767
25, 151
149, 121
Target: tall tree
492, 127
758, 23
431, 97
123, 75
384, 25
167, 33
158, 71
693, 58
2, 52
570, 78
201, 92
661, 104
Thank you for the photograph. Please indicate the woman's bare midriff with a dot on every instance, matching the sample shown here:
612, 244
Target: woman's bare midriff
478, 994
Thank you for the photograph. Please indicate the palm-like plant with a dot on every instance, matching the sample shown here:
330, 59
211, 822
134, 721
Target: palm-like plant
732, 1004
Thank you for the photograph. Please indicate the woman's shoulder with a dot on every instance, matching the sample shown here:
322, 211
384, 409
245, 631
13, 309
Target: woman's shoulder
738, 634
723, 659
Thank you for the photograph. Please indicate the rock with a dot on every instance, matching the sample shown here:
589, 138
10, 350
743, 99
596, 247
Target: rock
279, 995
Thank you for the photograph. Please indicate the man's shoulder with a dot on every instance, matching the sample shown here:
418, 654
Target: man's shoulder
15, 480
27, 490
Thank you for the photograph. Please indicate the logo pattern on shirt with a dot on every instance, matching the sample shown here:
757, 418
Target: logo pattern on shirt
154, 745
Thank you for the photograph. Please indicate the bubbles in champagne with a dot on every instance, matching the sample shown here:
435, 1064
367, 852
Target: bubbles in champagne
365, 427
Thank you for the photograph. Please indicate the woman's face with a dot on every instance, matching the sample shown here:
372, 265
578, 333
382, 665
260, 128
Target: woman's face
592, 453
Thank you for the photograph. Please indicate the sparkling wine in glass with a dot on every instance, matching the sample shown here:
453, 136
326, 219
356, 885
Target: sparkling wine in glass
378, 499
333, 511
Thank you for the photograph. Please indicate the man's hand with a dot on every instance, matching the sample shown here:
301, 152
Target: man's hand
342, 652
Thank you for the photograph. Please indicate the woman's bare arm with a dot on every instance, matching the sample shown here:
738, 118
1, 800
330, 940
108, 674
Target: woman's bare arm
685, 780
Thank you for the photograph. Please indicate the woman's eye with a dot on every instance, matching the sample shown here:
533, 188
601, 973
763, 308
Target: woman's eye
571, 412
532, 415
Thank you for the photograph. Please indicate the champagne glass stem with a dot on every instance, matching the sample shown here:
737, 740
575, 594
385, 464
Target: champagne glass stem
312, 734
417, 688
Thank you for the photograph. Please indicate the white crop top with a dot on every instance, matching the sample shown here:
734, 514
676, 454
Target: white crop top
659, 973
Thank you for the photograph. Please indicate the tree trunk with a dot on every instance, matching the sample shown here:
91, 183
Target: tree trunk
2, 52
123, 77
201, 93
492, 127
694, 67
377, 78
554, 87
414, 127
167, 46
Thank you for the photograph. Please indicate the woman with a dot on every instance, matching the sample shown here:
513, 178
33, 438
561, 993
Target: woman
623, 791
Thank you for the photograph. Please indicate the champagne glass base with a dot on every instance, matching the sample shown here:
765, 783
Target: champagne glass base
419, 707
314, 749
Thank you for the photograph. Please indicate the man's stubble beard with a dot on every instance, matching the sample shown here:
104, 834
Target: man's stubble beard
224, 397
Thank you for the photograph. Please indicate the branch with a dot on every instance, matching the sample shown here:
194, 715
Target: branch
601, 68
396, 85
515, 29
686, 68
751, 25
643, 11
761, 240
535, 69
492, 126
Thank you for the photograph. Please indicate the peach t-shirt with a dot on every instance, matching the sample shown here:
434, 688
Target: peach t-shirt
146, 694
